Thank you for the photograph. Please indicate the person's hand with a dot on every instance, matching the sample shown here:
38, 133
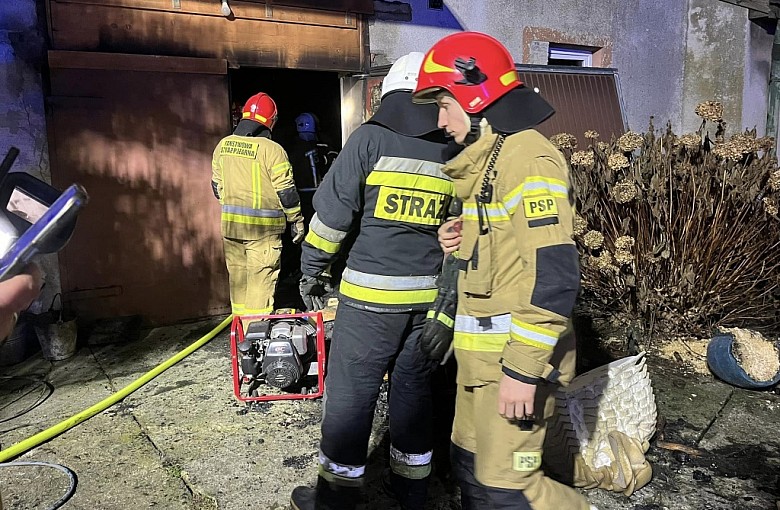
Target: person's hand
449, 235
16, 294
516, 399
298, 230
313, 290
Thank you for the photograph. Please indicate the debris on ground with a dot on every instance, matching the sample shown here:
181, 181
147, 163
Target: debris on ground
757, 356
690, 352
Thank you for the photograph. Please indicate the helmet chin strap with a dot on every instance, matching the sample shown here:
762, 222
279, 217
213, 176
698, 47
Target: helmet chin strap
475, 131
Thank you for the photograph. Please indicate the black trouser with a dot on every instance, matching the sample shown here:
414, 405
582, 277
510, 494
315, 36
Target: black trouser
364, 345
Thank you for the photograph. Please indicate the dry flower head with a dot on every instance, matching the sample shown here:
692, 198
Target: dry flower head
593, 239
770, 206
583, 158
580, 225
625, 243
591, 135
774, 180
624, 257
689, 141
564, 141
710, 110
624, 192
630, 141
604, 262
617, 161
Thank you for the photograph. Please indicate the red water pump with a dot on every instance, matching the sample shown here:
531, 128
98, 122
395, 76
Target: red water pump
284, 352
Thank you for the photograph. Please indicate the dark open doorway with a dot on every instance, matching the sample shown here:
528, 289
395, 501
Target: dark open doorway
294, 92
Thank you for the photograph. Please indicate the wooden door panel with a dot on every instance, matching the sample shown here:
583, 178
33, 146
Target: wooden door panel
140, 142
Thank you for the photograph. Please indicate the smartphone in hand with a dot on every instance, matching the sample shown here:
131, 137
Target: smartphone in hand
48, 234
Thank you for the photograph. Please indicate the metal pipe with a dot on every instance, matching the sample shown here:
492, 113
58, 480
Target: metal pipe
773, 108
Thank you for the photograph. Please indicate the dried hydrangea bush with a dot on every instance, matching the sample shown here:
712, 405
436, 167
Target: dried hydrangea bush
679, 234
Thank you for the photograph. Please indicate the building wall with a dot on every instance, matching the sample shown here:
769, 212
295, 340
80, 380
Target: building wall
670, 55
22, 114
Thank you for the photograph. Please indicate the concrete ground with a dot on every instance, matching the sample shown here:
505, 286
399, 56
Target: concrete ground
184, 442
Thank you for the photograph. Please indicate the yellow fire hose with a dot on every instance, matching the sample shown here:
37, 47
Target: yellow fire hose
33, 441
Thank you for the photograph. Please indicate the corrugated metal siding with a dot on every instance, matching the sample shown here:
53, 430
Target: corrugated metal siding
582, 102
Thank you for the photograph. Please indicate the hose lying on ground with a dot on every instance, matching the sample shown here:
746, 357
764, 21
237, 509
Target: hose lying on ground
71, 478
33, 441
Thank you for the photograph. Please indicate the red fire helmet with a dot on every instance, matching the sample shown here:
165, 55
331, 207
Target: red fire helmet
260, 108
474, 67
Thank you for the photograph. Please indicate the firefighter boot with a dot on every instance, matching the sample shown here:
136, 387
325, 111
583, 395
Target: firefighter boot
409, 493
326, 496
476, 496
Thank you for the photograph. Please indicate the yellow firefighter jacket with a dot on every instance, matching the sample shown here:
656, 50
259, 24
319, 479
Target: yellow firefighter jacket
519, 270
253, 180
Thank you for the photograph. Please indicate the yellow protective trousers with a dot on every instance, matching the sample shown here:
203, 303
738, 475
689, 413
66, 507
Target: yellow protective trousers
506, 456
253, 268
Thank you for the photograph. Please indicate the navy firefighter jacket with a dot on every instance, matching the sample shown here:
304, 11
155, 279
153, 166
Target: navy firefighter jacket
391, 187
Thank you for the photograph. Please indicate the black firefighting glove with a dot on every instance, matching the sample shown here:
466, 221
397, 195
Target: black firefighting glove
437, 332
297, 229
313, 291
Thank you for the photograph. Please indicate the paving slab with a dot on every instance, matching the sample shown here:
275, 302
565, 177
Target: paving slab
184, 442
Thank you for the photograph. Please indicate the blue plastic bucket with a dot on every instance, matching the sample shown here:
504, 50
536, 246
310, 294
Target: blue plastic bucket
721, 360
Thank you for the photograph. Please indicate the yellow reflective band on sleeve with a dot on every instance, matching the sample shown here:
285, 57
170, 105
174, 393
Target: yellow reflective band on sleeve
496, 212
411, 181
535, 336
480, 342
321, 243
533, 187
253, 220
410, 206
292, 210
281, 167
237, 308
441, 317
526, 461
387, 297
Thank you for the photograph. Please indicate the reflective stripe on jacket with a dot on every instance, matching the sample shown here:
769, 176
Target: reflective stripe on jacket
391, 187
253, 180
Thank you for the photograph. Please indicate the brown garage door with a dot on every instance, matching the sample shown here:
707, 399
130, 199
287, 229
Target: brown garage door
584, 99
138, 132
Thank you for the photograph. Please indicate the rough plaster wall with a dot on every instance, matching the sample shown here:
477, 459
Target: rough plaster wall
648, 54
22, 117
503, 19
758, 62
647, 40
715, 53
22, 120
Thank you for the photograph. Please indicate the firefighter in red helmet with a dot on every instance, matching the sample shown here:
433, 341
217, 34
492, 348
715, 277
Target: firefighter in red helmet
252, 179
518, 275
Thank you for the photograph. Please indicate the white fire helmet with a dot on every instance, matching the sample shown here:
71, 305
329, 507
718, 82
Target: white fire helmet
403, 73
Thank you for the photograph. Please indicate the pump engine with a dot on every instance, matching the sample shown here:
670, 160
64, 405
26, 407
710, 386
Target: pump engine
279, 352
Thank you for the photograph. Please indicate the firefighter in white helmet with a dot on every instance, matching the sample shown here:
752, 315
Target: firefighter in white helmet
253, 181
387, 183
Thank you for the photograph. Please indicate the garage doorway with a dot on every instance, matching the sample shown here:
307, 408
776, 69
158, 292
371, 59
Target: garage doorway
295, 92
